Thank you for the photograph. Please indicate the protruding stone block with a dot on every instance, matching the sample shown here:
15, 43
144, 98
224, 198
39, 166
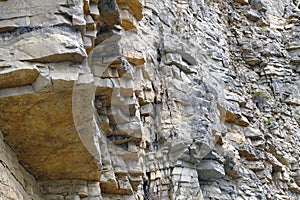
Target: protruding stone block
210, 169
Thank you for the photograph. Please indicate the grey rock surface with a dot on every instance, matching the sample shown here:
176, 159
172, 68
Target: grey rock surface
140, 99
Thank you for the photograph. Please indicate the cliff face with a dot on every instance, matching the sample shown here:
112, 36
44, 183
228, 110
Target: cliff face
140, 99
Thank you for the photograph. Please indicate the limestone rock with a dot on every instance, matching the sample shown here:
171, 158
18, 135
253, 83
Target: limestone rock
140, 99
210, 170
244, 2
252, 15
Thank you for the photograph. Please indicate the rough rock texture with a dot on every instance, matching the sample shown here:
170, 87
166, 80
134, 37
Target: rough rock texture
140, 99
15, 181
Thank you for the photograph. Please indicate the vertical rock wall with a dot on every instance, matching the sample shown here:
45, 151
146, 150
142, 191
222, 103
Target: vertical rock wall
15, 181
132, 99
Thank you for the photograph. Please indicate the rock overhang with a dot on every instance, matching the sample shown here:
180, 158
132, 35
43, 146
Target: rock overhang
37, 121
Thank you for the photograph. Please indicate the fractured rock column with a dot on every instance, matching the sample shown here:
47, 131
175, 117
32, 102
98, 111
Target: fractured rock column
117, 64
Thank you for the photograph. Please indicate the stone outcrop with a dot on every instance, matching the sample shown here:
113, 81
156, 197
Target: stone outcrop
16, 182
132, 99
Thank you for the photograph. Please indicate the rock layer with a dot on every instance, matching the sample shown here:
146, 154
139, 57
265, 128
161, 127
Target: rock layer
155, 99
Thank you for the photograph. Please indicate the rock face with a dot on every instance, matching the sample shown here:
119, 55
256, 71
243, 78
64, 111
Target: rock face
140, 99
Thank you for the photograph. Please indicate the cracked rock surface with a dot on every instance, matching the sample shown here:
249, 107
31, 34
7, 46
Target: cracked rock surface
140, 99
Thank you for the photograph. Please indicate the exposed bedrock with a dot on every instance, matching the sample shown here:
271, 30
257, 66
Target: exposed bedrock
140, 99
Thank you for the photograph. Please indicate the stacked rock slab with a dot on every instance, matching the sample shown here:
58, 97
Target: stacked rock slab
140, 99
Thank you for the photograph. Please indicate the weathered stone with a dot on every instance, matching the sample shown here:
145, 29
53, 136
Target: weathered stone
258, 5
128, 20
135, 6
149, 99
16, 182
250, 153
110, 14
252, 15
244, 2
210, 170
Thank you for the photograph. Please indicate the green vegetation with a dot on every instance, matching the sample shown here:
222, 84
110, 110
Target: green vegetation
266, 120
